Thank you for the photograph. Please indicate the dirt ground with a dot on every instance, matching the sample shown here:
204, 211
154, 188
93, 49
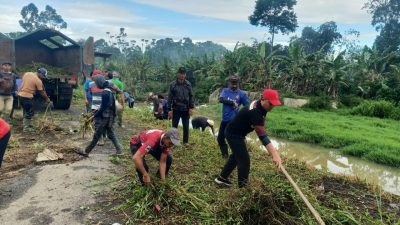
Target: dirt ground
60, 192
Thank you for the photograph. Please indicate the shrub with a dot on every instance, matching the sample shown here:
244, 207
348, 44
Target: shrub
350, 100
381, 109
319, 103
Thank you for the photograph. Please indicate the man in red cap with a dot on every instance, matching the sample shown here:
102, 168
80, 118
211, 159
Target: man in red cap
249, 118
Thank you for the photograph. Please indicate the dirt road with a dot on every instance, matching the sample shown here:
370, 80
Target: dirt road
62, 193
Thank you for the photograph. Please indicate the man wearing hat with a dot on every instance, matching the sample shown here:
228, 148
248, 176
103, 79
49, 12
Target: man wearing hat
8, 86
180, 102
32, 82
202, 122
158, 144
249, 118
231, 99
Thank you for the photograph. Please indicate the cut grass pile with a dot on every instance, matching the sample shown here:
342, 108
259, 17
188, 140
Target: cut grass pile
189, 196
374, 139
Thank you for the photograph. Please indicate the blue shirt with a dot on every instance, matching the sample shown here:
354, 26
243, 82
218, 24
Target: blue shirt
86, 86
238, 96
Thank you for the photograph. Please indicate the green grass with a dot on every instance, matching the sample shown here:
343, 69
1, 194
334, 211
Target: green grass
374, 139
189, 196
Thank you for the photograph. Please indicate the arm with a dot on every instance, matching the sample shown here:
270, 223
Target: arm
262, 135
244, 99
138, 160
44, 95
163, 165
191, 103
224, 100
170, 97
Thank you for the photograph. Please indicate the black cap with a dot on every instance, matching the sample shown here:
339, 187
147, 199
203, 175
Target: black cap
182, 70
234, 79
7, 63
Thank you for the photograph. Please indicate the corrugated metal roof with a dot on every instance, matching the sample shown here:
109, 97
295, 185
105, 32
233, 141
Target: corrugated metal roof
47, 34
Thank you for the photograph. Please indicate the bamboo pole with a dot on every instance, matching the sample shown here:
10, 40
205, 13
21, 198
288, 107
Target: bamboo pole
310, 207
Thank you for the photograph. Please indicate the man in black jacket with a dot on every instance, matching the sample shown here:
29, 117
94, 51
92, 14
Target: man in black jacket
180, 102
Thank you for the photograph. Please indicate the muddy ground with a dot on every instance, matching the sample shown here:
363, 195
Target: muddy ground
59, 192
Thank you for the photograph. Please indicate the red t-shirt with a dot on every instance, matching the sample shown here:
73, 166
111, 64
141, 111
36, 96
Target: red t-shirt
4, 128
150, 140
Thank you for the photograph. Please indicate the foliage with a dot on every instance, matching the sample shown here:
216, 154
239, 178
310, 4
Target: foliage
322, 39
33, 20
350, 100
276, 15
380, 109
188, 196
51, 70
319, 103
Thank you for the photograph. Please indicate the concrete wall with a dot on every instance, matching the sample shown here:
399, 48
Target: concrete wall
292, 102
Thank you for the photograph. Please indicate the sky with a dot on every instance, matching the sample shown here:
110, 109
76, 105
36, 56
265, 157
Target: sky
221, 21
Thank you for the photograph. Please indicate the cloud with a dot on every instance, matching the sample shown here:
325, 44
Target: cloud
308, 11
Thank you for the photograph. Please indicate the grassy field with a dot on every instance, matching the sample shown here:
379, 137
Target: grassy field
189, 195
374, 139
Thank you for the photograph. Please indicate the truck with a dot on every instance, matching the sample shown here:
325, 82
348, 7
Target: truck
53, 48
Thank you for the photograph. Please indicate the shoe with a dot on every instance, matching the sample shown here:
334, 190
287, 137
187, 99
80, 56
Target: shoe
101, 142
82, 153
117, 154
222, 181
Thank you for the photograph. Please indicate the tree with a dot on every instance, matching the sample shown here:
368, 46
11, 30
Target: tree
321, 39
386, 19
277, 15
33, 20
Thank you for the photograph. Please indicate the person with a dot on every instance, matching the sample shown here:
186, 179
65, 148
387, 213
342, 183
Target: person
104, 117
96, 94
5, 134
180, 102
87, 95
202, 122
158, 144
129, 98
231, 99
249, 118
115, 79
159, 104
8, 87
32, 82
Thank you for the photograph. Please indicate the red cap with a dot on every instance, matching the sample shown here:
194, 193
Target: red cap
272, 96
96, 72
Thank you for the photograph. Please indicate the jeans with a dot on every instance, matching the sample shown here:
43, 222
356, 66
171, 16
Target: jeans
156, 153
104, 125
176, 116
3, 145
221, 138
240, 157
27, 106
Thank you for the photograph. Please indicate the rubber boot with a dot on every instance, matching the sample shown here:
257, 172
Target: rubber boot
27, 125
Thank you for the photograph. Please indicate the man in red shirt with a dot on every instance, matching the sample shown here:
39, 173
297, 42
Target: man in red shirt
157, 143
5, 135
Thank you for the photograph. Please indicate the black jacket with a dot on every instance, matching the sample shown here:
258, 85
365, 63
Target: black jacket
180, 96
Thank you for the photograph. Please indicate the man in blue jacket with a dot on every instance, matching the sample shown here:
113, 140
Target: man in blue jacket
231, 99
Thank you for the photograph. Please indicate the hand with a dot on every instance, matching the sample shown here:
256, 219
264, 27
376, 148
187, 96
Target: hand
170, 114
146, 179
277, 160
86, 101
235, 105
190, 112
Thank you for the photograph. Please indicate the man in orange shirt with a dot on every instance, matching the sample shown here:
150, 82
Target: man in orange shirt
32, 82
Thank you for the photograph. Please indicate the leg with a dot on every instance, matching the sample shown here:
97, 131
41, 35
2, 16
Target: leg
2, 106
134, 149
238, 146
175, 118
242, 159
97, 135
157, 156
119, 117
3, 145
8, 106
185, 123
27, 105
221, 139
114, 139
